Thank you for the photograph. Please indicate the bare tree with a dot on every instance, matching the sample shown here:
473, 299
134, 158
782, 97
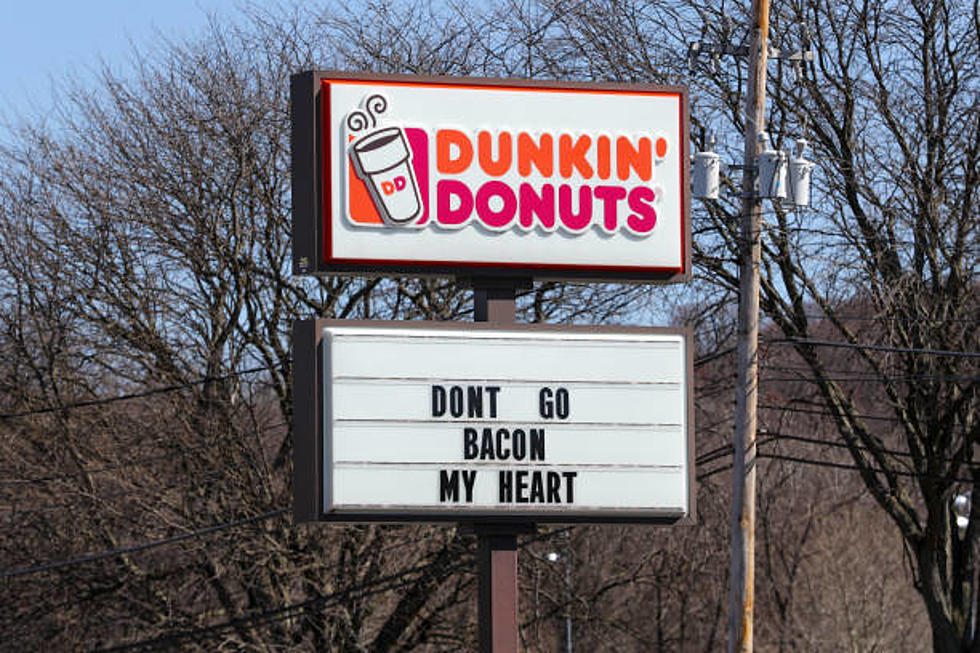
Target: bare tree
146, 257
144, 250
884, 263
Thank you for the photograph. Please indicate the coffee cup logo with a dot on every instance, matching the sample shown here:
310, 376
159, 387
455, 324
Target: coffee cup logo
383, 161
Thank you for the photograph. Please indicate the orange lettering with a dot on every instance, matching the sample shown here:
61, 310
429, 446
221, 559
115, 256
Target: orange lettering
573, 156
446, 140
504, 155
602, 145
638, 159
541, 154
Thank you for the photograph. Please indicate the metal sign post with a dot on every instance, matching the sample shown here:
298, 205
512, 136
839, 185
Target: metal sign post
494, 300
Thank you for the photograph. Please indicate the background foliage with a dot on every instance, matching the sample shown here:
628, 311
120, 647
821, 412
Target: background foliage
146, 302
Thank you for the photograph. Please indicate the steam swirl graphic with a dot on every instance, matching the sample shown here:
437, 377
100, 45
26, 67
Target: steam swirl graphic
374, 106
357, 120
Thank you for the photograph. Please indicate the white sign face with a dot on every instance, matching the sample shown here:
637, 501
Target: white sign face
545, 424
553, 180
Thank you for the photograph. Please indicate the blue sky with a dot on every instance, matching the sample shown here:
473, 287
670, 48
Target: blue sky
41, 40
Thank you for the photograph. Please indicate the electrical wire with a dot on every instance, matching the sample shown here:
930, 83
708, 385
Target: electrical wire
843, 445
710, 357
705, 458
824, 463
855, 345
701, 361
826, 413
855, 468
20, 571
103, 555
713, 454
881, 318
190, 384
81, 497
706, 475
379, 586
376, 587
129, 463
857, 376
294, 610
804, 373
773, 437
134, 395
365, 590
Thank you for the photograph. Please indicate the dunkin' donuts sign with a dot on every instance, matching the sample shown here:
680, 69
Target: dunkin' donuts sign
473, 178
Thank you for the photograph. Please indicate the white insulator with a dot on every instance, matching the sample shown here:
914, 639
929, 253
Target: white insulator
705, 175
772, 170
800, 172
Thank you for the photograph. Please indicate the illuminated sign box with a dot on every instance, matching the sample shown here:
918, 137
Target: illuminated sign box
444, 176
434, 421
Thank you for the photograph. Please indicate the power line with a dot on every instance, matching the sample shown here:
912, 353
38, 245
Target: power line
846, 345
823, 463
706, 475
134, 395
327, 568
713, 454
48, 566
294, 610
103, 555
825, 413
20, 571
129, 463
882, 318
875, 377
888, 348
13, 510
778, 435
183, 386
379, 586
386, 550
710, 357
804, 373
701, 361
774, 437
855, 468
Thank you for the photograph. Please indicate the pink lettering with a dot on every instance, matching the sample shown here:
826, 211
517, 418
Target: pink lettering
573, 221
532, 204
645, 217
446, 190
610, 196
496, 219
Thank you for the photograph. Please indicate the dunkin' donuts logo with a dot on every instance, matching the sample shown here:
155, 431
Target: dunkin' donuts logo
502, 179
383, 188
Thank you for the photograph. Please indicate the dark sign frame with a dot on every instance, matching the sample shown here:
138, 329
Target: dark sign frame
308, 475
312, 202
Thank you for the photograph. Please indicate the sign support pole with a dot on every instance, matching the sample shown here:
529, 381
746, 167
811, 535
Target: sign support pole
494, 300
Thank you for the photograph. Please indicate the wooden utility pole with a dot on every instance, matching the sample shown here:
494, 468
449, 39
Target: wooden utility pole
746, 383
